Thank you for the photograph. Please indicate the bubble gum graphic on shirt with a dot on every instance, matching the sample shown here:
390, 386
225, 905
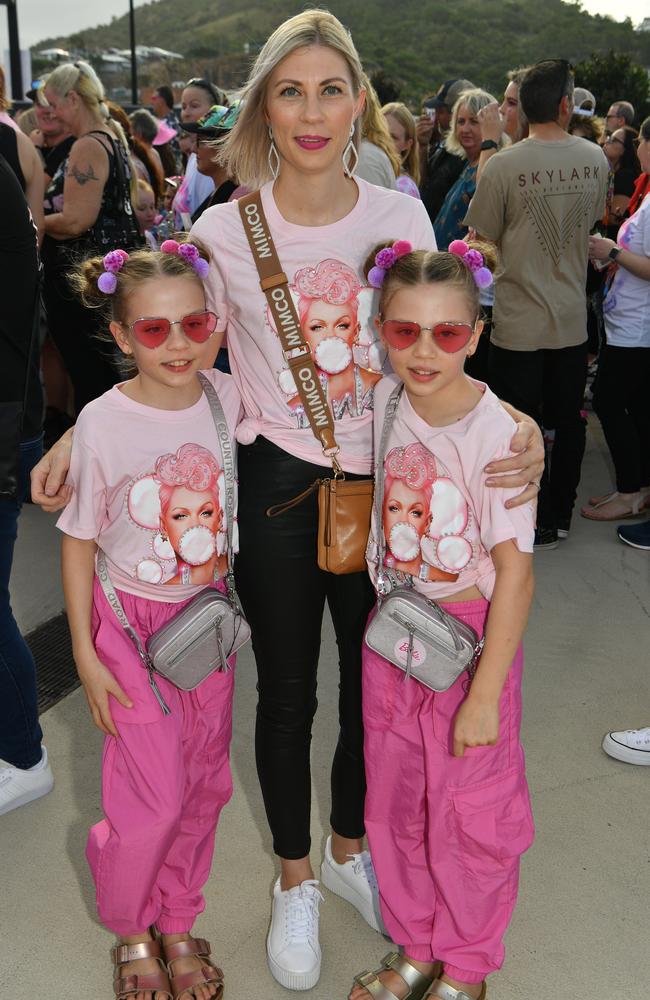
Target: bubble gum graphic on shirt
426, 518
181, 504
335, 312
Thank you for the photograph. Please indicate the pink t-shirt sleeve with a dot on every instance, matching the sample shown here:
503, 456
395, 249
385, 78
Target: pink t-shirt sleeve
86, 513
499, 523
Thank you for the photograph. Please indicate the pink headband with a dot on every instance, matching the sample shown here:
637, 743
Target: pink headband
473, 259
115, 260
386, 259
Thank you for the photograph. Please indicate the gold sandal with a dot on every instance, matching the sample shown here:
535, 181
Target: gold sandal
443, 991
416, 981
132, 983
208, 975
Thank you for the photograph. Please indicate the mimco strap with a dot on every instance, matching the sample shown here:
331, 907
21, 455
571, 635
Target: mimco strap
297, 352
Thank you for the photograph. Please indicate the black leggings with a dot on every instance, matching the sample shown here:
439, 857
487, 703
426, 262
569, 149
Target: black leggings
283, 594
621, 403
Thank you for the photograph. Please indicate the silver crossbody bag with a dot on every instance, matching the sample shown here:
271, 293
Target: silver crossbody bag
200, 639
408, 629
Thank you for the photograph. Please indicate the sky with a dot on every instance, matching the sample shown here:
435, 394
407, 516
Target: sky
39, 19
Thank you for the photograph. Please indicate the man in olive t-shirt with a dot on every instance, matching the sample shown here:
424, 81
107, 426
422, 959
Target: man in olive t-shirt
538, 201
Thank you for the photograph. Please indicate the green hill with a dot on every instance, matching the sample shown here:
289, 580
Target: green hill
419, 43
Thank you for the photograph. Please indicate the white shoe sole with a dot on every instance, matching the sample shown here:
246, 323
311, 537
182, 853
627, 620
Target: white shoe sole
292, 980
627, 754
333, 881
635, 545
29, 795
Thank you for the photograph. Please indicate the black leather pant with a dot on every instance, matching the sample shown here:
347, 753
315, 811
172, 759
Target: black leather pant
283, 594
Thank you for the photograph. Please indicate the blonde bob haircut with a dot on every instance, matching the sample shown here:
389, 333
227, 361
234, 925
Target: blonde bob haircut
473, 100
411, 162
244, 151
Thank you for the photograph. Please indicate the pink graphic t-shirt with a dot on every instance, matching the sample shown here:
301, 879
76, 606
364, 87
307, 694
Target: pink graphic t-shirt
324, 265
440, 519
149, 488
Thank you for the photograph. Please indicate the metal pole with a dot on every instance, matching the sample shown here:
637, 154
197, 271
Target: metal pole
14, 50
134, 64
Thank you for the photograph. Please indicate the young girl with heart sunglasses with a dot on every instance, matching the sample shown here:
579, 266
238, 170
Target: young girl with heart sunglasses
447, 808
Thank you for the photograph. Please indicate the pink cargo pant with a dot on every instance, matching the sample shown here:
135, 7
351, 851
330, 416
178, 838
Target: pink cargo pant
445, 833
164, 783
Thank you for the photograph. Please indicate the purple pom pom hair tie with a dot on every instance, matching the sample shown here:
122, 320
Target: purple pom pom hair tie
113, 262
189, 253
473, 259
386, 259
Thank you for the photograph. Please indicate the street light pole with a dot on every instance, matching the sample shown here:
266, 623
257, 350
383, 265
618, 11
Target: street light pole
134, 64
14, 49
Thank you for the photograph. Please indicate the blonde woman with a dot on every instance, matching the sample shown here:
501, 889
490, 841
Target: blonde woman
88, 210
401, 126
464, 139
378, 161
297, 138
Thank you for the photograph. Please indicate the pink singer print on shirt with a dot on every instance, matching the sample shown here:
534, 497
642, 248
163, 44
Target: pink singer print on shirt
182, 504
327, 298
426, 518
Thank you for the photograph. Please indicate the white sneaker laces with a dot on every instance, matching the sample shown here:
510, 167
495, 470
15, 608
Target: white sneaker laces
302, 912
363, 867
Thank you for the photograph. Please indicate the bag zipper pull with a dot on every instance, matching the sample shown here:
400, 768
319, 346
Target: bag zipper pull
282, 508
409, 655
156, 690
225, 667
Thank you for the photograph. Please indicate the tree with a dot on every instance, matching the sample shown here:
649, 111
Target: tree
615, 77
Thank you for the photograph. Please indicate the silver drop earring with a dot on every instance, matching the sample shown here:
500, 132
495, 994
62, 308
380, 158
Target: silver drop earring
350, 155
273, 157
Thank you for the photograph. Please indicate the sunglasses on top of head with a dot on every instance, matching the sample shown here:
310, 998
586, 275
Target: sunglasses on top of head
152, 331
450, 336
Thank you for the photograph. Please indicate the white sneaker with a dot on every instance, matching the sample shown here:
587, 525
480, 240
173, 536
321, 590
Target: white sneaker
18, 787
630, 745
356, 882
292, 945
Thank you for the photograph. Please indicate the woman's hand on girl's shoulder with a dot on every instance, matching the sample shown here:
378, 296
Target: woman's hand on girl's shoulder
49, 490
526, 467
98, 684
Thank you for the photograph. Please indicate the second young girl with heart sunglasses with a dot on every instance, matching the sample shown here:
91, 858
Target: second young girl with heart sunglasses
447, 809
147, 473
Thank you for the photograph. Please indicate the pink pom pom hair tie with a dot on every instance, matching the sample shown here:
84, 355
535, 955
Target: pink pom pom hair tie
113, 263
386, 259
473, 259
189, 253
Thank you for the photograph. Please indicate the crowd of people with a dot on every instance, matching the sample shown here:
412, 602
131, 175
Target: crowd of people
456, 276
